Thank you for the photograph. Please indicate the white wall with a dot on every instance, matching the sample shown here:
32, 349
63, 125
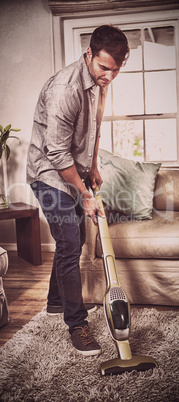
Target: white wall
26, 62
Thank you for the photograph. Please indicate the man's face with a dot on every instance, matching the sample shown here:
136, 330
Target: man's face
102, 68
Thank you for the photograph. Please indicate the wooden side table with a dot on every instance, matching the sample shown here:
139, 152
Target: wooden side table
27, 230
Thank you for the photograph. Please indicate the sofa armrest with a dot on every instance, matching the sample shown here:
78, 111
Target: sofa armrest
3, 261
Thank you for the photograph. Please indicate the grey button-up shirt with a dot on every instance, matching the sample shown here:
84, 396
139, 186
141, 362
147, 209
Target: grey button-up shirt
66, 124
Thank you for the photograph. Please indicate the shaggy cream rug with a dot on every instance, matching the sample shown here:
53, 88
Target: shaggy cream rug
40, 365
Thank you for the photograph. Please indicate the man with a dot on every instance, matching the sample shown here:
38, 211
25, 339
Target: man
62, 155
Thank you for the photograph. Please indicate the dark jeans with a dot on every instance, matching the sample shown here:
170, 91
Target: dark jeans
66, 220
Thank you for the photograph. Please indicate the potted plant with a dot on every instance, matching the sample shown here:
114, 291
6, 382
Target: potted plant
4, 156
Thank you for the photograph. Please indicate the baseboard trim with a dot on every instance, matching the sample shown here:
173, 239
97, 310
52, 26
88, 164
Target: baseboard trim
46, 247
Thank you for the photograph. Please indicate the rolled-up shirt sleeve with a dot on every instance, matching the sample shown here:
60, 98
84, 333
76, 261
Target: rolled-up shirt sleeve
63, 105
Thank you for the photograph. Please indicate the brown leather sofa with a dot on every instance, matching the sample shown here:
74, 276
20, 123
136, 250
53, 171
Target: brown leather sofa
146, 251
4, 314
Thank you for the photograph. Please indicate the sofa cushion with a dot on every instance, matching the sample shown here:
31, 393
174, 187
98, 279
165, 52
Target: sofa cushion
156, 238
167, 190
128, 186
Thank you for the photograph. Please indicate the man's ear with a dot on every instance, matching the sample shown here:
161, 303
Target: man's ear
89, 53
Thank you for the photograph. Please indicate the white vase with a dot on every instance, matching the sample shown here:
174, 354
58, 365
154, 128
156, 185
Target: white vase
3, 182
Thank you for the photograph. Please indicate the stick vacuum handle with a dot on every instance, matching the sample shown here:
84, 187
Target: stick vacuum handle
98, 198
106, 244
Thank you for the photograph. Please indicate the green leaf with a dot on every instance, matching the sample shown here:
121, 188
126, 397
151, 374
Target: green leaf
13, 136
136, 153
7, 128
15, 129
4, 137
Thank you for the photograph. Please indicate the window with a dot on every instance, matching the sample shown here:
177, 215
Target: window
141, 120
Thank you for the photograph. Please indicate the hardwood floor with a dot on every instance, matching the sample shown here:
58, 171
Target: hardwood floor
26, 288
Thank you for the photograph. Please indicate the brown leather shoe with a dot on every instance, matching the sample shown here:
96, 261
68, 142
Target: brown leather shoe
84, 342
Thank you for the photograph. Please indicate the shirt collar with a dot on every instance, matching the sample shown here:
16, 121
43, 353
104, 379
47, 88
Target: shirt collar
88, 81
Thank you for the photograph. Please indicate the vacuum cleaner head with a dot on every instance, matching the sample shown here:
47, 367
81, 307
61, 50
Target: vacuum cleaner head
117, 312
119, 366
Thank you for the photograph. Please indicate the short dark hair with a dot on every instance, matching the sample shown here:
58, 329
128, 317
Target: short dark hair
112, 40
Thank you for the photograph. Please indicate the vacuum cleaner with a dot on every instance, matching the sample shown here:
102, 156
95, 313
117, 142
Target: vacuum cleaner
117, 309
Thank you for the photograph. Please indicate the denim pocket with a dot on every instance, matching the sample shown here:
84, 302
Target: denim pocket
46, 195
47, 201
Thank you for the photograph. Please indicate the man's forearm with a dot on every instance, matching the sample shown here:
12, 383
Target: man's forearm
95, 156
71, 176
95, 178
90, 204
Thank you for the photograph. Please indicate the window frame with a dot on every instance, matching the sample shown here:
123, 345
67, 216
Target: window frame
73, 27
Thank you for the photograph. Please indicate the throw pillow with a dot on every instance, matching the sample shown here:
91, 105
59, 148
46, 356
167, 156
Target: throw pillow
128, 186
